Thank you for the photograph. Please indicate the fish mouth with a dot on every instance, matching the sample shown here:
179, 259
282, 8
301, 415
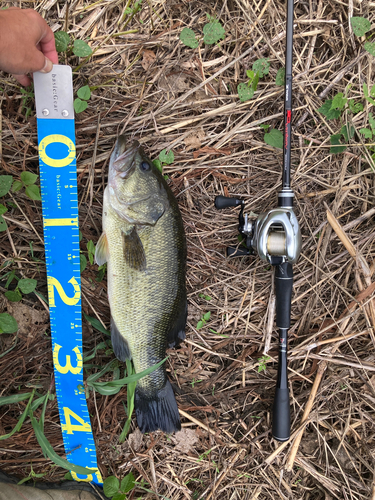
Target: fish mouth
122, 157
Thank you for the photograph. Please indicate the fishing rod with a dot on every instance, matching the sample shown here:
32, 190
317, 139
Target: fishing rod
275, 236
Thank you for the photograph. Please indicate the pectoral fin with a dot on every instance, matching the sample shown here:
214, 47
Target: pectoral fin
101, 250
134, 252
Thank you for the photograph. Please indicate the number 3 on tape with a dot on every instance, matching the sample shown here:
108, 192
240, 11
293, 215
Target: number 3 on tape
58, 179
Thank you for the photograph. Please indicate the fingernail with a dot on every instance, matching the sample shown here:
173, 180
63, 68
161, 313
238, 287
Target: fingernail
47, 66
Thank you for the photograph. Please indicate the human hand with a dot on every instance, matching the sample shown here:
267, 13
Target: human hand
27, 44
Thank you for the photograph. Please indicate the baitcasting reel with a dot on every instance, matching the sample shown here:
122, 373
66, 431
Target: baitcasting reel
274, 235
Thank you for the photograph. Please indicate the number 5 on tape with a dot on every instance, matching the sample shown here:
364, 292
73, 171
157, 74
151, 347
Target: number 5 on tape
58, 179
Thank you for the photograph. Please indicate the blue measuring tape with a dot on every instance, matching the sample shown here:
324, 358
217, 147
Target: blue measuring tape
58, 179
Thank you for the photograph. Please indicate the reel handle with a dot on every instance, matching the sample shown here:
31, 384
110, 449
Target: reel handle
225, 202
237, 252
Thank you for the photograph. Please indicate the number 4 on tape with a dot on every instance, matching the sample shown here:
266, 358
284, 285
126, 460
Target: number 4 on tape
58, 179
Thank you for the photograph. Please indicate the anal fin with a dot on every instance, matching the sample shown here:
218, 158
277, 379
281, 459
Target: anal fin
119, 343
177, 332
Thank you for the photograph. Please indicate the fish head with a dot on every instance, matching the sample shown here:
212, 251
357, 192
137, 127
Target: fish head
136, 187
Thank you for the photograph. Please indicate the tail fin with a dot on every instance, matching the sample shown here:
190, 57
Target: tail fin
157, 412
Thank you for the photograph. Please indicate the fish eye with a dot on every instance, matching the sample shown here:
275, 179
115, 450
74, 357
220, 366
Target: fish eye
145, 166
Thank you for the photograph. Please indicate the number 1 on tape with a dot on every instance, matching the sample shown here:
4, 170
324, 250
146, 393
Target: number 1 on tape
58, 179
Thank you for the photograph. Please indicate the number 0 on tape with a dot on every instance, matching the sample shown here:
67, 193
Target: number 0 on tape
58, 178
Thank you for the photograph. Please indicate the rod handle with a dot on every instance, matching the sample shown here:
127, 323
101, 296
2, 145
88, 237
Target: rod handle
225, 202
281, 415
283, 292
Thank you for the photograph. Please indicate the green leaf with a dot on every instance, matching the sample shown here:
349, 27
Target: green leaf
129, 379
81, 49
13, 296
274, 138
96, 324
91, 251
8, 324
261, 66
245, 93
370, 48
200, 324
91, 246
119, 496
127, 484
79, 105
33, 192
17, 185
11, 277
158, 165
250, 74
84, 93
187, 37
165, 157
366, 132
335, 141
111, 486
5, 184
344, 131
255, 82
264, 127
280, 77
130, 391
83, 262
329, 113
3, 225
371, 121
213, 32
360, 25
207, 316
62, 40
3, 209
20, 421
68, 476
366, 93
28, 178
49, 452
339, 101
372, 91
27, 285
15, 398
101, 273
355, 107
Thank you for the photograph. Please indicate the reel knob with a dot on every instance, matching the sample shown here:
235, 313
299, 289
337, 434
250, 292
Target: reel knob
225, 202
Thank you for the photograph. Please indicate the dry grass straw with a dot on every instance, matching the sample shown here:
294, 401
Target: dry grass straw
186, 100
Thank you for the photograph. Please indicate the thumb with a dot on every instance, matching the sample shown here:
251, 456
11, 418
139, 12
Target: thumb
39, 62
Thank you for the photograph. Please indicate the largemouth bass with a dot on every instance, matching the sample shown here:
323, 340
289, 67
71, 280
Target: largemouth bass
143, 243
